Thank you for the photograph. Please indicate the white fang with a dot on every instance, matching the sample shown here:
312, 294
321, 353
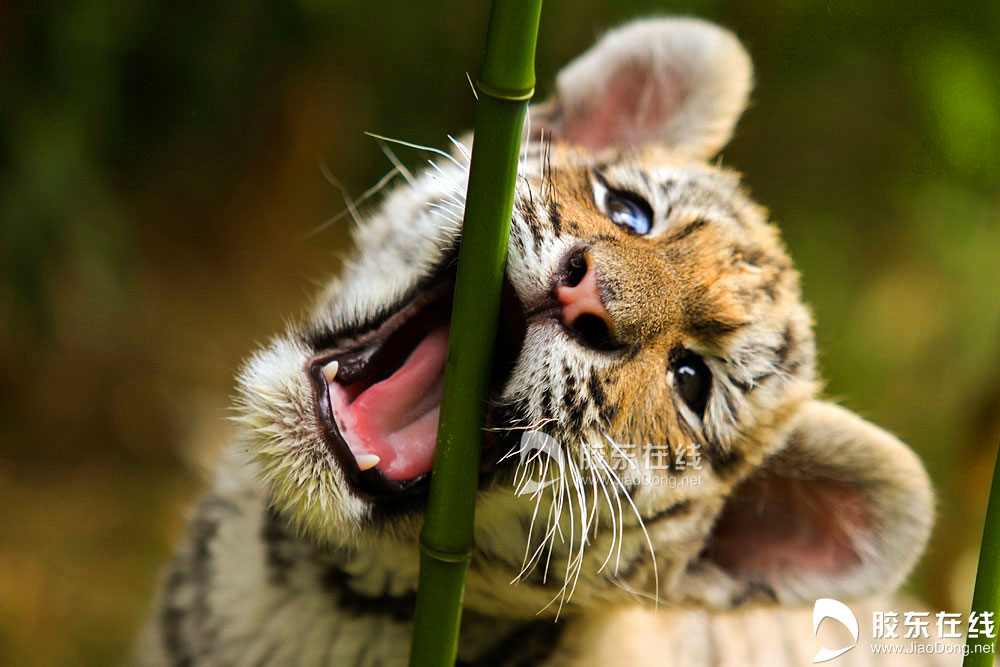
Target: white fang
366, 461
330, 372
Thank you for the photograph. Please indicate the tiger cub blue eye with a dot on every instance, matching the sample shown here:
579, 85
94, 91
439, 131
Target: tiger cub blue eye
629, 211
626, 209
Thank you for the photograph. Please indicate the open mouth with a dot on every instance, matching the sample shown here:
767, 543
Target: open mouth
378, 394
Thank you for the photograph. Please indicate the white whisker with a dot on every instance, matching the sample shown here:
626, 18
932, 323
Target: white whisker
437, 151
466, 153
642, 524
360, 200
335, 182
473, 86
389, 153
612, 477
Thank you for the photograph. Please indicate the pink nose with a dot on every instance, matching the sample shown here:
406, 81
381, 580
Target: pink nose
579, 294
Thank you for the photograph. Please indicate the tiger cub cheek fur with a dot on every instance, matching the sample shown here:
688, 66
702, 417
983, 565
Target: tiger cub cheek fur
789, 498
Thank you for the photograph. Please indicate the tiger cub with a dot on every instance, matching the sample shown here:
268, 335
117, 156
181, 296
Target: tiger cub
660, 482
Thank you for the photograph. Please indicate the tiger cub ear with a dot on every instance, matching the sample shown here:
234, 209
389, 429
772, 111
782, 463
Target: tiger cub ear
843, 510
682, 83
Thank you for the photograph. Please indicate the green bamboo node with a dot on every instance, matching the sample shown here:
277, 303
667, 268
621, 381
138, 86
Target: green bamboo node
506, 82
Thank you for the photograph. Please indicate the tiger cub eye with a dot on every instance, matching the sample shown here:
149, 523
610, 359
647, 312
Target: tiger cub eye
629, 211
693, 381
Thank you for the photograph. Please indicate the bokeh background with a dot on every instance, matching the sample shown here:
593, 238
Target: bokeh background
160, 174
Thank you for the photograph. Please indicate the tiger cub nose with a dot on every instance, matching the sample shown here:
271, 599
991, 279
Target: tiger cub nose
579, 295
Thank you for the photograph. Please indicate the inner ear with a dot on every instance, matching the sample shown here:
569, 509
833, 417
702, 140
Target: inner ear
773, 526
630, 111
678, 83
841, 509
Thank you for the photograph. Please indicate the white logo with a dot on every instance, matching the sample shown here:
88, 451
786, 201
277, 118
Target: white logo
534, 444
838, 611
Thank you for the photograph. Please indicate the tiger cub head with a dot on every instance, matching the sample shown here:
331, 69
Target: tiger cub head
653, 429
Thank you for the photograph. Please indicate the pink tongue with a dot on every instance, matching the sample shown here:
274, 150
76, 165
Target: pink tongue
397, 419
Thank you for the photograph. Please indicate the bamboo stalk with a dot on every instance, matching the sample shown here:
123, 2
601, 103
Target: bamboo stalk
986, 597
506, 83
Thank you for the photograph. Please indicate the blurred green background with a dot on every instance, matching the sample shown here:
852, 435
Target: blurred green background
160, 171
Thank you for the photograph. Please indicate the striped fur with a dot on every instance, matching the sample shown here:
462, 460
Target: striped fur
668, 535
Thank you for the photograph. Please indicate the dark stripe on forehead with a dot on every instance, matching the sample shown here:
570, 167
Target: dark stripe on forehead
644, 177
686, 230
705, 193
744, 387
705, 320
704, 325
757, 257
